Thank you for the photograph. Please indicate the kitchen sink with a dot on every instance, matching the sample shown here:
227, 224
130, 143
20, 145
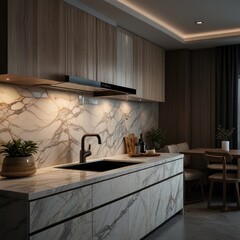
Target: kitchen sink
99, 166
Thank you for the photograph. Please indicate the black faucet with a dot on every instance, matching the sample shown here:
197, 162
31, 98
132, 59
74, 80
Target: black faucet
83, 152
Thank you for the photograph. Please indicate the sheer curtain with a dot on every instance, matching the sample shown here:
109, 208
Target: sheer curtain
227, 90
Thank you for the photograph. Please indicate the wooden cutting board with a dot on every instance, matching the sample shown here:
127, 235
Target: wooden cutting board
130, 142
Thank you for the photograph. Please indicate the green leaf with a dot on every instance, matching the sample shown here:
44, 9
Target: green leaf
224, 134
19, 148
155, 136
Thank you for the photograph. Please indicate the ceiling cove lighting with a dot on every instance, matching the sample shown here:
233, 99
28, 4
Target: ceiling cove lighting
146, 17
143, 15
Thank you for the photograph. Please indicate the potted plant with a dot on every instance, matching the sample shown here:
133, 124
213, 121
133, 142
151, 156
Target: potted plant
155, 138
224, 136
18, 161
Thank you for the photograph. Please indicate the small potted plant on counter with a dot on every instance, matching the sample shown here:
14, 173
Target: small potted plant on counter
19, 161
224, 136
155, 138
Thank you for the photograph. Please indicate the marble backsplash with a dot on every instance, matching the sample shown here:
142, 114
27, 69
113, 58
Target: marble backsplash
57, 120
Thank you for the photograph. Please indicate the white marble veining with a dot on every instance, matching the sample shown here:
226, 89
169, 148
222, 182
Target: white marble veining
143, 210
139, 217
52, 209
167, 199
55, 203
57, 120
156, 174
80, 209
110, 222
52, 180
79, 228
110, 189
155, 205
138, 214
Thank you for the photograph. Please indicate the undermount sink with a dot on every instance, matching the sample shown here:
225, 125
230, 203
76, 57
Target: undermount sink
98, 166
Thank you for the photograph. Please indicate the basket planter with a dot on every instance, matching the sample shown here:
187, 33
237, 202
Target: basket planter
15, 167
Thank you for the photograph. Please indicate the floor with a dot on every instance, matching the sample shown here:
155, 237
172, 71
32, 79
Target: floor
199, 223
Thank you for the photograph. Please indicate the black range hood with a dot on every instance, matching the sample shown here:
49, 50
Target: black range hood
96, 87
71, 83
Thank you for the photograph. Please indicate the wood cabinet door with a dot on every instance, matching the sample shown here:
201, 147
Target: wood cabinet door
148, 70
106, 52
36, 38
160, 73
81, 43
138, 65
153, 72
124, 58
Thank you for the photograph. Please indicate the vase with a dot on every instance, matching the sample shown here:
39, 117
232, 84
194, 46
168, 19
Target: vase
225, 145
15, 167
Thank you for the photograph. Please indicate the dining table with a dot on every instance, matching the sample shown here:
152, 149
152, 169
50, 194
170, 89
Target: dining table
200, 151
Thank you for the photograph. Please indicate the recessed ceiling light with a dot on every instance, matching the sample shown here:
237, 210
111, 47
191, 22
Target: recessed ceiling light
199, 22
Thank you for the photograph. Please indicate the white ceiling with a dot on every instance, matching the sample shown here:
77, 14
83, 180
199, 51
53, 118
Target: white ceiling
171, 23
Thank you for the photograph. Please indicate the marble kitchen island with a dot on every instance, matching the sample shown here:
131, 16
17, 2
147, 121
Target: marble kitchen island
125, 203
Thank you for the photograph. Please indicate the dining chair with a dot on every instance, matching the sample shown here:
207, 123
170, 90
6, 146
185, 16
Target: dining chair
215, 166
189, 174
224, 177
171, 148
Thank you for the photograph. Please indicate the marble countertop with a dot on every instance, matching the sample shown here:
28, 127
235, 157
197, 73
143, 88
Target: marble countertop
52, 180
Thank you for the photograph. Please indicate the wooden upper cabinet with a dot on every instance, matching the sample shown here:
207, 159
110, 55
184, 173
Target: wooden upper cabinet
124, 58
50, 38
22, 37
36, 38
154, 72
160, 77
138, 65
106, 52
81, 43
149, 70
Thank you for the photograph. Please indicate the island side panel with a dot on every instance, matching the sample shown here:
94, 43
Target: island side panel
13, 219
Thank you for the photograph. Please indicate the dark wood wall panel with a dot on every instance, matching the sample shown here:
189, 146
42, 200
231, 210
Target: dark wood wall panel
188, 113
3, 34
202, 95
174, 113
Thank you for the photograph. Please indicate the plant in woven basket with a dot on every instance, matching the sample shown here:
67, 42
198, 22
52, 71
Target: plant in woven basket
19, 148
224, 134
